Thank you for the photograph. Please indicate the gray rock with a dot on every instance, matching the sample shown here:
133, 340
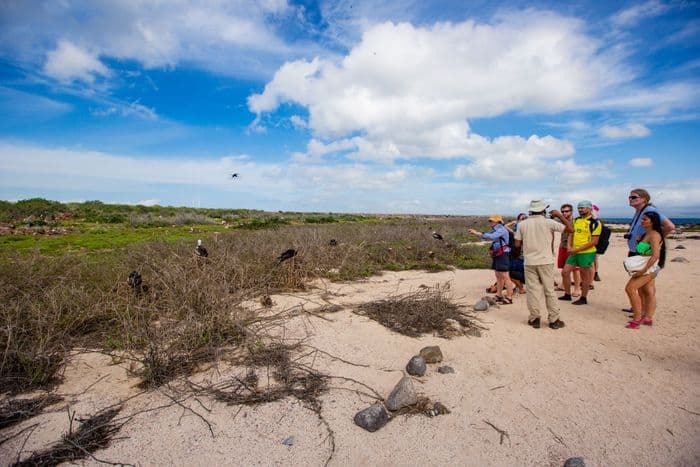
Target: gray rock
490, 300
481, 305
416, 366
679, 259
431, 354
403, 395
445, 370
679, 247
473, 332
289, 441
372, 418
574, 462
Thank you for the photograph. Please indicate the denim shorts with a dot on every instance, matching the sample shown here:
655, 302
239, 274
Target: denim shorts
501, 263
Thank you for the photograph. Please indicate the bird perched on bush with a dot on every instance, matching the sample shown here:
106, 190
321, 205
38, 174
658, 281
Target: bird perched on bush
200, 250
135, 281
287, 254
437, 236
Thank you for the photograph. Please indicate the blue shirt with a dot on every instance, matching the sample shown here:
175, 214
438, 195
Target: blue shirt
498, 237
636, 230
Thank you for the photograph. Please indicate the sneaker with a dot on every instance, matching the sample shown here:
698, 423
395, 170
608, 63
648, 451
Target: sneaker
596, 277
580, 301
566, 297
557, 324
535, 323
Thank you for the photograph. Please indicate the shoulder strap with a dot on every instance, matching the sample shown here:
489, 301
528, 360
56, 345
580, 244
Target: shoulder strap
636, 218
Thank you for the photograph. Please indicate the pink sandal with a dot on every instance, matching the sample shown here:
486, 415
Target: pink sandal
633, 324
647, 322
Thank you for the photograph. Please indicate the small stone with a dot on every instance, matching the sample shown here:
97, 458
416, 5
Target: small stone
490, 300
679, 247
574, 462
372, 418
481, 305
403, 395
473, 332
440, 409
679, 259
416, 366
432, 353
443, 370
289, 441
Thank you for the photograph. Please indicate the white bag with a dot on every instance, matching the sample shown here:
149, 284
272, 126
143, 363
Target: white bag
636, 263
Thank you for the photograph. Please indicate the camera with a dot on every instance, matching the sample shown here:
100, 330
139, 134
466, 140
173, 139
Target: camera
627, 236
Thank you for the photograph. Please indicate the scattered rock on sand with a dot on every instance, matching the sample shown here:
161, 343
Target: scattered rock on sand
403, 395
481, 305
574, 462
438, 409
416, 366
372, 418
490, 300
679, 259
679, 247
431, 353
445, 370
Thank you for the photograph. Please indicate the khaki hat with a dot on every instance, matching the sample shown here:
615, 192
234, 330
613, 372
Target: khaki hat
495, 218
537, 205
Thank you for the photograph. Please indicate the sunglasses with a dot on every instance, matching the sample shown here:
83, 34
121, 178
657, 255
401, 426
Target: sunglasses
633, 197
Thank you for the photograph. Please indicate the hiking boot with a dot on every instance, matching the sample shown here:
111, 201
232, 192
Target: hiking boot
580, 301
557, 324
535, 323
596, 277
566, 297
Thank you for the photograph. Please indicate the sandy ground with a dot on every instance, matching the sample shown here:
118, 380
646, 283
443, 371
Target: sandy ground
593, 389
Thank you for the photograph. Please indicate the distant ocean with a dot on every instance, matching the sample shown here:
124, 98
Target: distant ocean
675, 220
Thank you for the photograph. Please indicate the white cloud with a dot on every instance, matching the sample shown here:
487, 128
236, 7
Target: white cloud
641, 162
385, 103
148, 202
629, 130
638, 12
68, 62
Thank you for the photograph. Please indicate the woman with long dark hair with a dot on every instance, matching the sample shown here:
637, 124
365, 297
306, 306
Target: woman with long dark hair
641, 284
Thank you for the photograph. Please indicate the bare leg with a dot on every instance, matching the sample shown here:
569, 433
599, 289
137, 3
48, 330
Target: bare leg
503, 279
577, 281
586, 279
632, 289
648, 298
566, 278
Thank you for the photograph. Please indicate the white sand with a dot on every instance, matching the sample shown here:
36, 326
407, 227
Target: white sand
592, 389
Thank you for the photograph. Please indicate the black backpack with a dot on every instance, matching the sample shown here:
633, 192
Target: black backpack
603, 239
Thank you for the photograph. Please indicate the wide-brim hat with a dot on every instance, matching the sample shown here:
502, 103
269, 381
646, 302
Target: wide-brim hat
537, 205
495, 218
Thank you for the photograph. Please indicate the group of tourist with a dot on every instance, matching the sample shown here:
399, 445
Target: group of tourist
577, 256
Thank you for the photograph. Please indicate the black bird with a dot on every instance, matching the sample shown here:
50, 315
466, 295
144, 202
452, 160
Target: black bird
333, 242
287, 254
437, 236
135, 281
234, 175
200, 250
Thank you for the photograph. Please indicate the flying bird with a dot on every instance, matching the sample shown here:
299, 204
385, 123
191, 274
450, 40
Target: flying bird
437, 236
234, 175
200, 250
287, 254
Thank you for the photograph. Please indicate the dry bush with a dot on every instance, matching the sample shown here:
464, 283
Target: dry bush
191, 310
18, 410
416, 313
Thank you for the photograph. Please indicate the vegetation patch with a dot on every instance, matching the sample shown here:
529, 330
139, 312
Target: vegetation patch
415, 313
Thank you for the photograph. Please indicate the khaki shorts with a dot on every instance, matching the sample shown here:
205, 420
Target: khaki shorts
583, 260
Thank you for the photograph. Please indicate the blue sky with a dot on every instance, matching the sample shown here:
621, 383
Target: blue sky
445, 107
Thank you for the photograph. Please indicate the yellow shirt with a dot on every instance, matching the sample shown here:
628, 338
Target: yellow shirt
583, 234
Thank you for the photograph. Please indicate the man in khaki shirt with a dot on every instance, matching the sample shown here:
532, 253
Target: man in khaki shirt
536, 235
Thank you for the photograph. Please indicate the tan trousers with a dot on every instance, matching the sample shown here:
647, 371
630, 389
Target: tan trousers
540, 291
